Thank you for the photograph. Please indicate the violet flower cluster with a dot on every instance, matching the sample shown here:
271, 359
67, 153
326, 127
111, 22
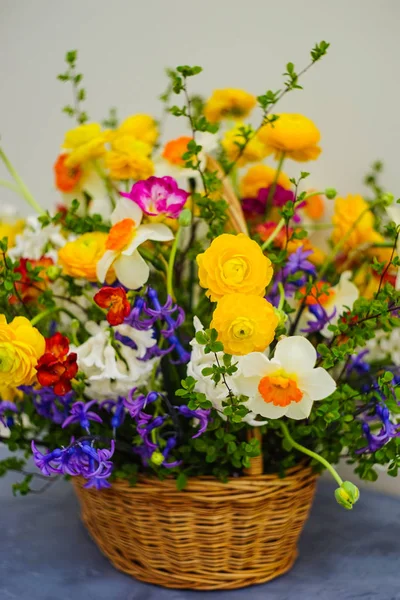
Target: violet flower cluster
169, 317
80, 458
47, 404
293, 275
157, 440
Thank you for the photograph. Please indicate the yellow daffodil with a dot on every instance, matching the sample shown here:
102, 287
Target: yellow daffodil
294, 135
21, 346
255, 150
234, 264
85, 142
245, 323
79, 258
141, 127
129, 159
228, 103
353, 222
261, 176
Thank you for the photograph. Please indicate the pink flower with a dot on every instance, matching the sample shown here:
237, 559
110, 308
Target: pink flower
158, 195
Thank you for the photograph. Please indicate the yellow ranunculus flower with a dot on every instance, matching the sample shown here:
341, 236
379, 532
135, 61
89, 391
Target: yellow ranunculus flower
10, 393
254, 151
80, 257
21, 346
295, 135
228, 103
353, 220
84, 143
11, 229
234, 264
245, 323
141, 127
129, 159
261, 176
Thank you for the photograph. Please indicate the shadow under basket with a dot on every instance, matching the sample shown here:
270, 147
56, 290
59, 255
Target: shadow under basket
211, 536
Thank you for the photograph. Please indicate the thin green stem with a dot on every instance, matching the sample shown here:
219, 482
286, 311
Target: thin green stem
171, 263
10, 185
20, 184
282, 295
274, 234
46, 313
272, 189
310, 453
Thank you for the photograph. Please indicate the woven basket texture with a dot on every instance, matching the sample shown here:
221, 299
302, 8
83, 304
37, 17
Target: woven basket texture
211, 536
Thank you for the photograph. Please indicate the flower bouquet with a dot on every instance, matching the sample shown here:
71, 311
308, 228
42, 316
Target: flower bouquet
180, 340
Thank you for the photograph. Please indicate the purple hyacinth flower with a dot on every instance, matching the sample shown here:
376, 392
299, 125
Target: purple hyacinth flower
158, 196
48, 463
202, 415
171, 443
99, 483
321, 319
358, 364
7, 407
297, 262
81, 414
134, 319
117, 410
135, 405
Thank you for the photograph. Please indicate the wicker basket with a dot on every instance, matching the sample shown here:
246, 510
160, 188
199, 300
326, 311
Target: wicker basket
211, 536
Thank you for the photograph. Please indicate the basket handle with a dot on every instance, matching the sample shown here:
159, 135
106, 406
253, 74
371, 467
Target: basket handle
256, 463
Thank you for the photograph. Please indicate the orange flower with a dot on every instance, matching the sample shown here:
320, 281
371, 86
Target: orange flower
66, 178
175, 149
115, 300
57, 366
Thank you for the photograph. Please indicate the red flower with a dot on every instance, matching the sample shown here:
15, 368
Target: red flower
57, 366
115, 300
29, 288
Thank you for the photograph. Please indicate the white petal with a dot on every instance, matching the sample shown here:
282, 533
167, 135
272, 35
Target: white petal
318, 384
247, 386
394, 212
296, 354
156, 232
132, 271
300, 410
104, 264
126, 209
266, 409
254, 364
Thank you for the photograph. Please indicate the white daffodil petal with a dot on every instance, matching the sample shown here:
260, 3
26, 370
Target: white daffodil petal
247, 386
318, 384
157, 232
132, 271
126, 209
104, 264
254, 364
300, 410
296, 354
266, 409
139, 238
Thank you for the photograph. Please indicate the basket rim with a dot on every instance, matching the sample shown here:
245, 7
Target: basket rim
207, 483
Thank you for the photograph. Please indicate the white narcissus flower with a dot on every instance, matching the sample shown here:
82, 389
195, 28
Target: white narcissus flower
109, 373
126, 235
36, 241
94, 185
216, 393
286, 385
337, 301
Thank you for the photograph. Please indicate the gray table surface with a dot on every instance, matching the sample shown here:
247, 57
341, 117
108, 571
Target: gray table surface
46, 554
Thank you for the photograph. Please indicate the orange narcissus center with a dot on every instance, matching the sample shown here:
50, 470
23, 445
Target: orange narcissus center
175, 149
280, 390
318, 297
121, 234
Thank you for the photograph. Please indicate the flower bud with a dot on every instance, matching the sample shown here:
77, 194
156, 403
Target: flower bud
330, 193
387, 199
185, 218
53, 272
157, 458
282, 316
347, 494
